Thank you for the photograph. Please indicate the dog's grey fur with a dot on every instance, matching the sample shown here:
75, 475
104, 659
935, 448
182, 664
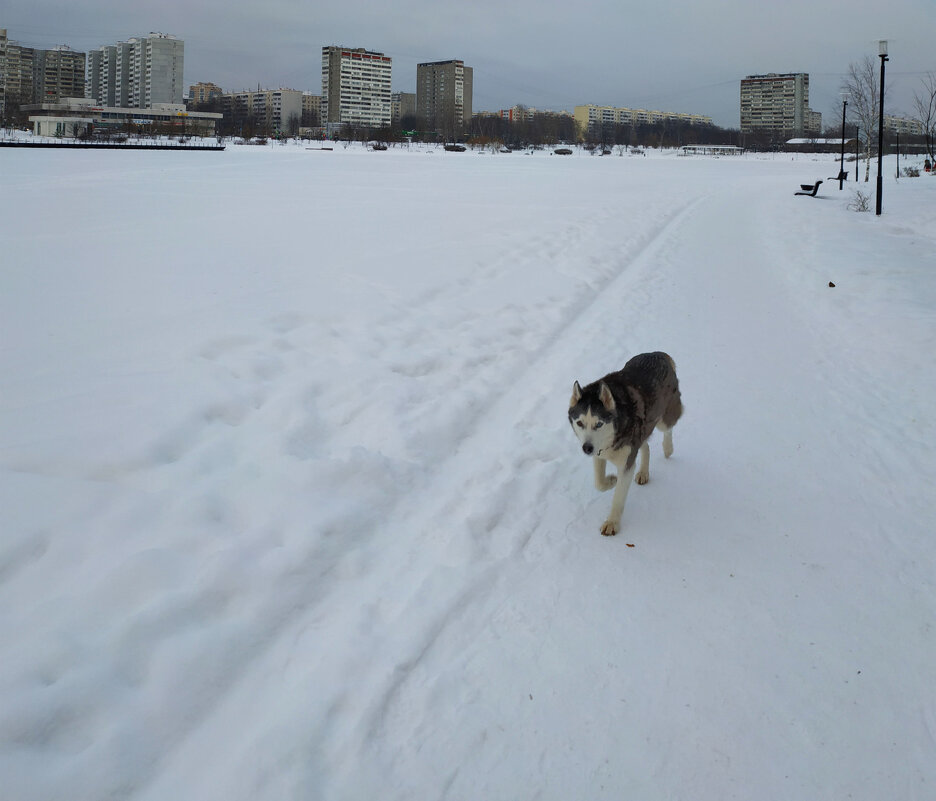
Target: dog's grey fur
614, 417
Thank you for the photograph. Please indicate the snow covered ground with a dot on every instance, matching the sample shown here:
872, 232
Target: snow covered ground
290, 508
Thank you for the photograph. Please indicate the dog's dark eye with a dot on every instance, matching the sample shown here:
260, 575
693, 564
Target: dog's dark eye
598, 425
580, 424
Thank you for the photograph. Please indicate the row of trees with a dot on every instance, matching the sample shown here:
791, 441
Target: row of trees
545, 130
924, 102
529, 128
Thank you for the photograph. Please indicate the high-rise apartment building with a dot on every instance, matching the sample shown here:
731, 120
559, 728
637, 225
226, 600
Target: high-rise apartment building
778, 105
402, 106
16, 72
60, 72
355, 87
103, 81
137, 73
36, 75
161, 61
443, 95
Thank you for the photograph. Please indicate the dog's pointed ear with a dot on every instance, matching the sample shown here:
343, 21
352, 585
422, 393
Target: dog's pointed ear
576, 394
606, 398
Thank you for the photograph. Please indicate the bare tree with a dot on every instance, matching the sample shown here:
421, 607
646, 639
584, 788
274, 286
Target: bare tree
925, 103
863, 90
309, 119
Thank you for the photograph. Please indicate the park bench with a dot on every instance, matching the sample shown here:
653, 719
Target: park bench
809, 189
842, 176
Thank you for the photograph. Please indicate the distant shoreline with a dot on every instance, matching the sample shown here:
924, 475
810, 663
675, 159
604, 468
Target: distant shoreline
108, 146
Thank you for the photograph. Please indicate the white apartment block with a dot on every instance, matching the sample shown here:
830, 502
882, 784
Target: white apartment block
280, 110
138, 73
902, 126
162, 63
3, 67
103, 82
355, 87
588, 117
778, 104
813, 121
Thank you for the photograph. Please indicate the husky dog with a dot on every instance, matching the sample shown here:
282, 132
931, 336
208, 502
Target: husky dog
614, 416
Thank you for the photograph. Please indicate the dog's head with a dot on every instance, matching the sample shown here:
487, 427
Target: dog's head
591, 414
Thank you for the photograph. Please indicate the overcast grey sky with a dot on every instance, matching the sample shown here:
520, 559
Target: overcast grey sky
656, 54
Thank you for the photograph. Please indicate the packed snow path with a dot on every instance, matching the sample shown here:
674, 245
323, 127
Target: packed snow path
310, 523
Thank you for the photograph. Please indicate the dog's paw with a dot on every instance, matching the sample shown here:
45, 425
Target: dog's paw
608, 483
609, 528
642, 478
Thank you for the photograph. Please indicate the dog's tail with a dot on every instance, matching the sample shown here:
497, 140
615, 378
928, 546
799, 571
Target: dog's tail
674, 411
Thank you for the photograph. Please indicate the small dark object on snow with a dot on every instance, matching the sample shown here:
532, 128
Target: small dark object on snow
831, 284
809, 189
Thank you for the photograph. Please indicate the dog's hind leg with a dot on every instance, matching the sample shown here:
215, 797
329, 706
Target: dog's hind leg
602, 481
643, 474
667, 438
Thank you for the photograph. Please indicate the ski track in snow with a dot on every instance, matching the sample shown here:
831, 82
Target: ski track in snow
416, 616
469, 541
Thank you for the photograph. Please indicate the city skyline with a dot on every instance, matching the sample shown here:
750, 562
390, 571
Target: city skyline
667, 57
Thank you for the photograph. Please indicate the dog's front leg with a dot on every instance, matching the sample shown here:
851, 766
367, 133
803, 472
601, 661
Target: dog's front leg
603, 482
643, 474
612, 525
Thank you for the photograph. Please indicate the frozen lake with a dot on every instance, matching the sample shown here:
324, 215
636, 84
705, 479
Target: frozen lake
289, 507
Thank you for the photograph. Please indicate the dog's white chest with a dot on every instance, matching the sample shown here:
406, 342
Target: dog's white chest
617, 456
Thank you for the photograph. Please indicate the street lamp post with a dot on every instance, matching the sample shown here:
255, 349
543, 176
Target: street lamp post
882, 52
842, 163
857, 153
